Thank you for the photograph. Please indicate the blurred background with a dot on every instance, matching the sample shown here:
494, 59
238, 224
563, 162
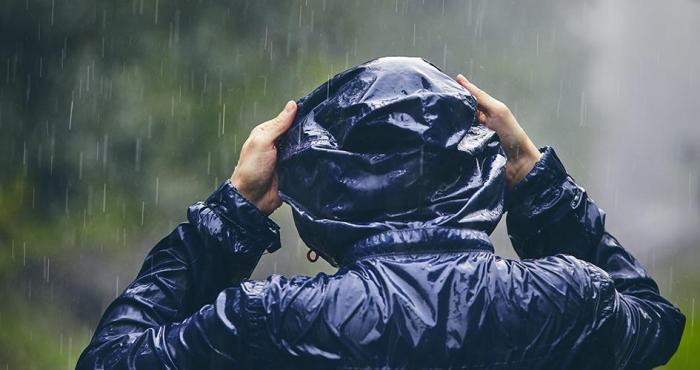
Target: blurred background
115, 116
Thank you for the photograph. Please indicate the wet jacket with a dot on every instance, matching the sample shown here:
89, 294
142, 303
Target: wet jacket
418, 288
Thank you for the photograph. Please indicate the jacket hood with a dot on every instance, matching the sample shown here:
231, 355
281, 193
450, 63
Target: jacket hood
390, 144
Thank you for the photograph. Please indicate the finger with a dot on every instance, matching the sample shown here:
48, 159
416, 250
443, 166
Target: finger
483, 99
276, 201
481, 117
473, 89
269, 131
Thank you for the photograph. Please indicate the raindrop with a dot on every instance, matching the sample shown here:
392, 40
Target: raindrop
70, 116
583, 110
414, 35
561, 89
300, 13
47, 274
444, 56
209, 162
80, 166
104, 197
24, 158
692, 315
157, 189
265, 39
116, 286
66, 201
137, 160
155, 13
221, 87
104, 150
223, 120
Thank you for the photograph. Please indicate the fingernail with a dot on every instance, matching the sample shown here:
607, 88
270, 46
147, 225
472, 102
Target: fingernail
289, 107
461, 77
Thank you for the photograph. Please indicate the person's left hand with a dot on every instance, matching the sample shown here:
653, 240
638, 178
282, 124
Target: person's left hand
255, 175
521, 152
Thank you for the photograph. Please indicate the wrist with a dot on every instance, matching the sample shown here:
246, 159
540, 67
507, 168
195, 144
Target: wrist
229, 204
517, 168
521, 153
243, 190
516, 143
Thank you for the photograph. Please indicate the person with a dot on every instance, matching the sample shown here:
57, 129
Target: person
401, 149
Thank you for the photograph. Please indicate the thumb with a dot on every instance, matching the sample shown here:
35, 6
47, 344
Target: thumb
275, 127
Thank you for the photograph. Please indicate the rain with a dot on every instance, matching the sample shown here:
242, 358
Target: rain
115, 116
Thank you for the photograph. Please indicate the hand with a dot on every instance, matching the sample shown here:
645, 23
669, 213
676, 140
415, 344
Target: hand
521, 152
255, 175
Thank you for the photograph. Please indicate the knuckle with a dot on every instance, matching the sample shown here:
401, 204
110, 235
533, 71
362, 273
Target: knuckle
253, 140
257, 130
501, 110
258, 133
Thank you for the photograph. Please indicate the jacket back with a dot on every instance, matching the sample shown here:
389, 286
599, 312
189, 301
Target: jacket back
410, 298
443, 301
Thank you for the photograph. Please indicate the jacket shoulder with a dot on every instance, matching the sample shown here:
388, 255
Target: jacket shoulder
580, 295
567, 279
289, 317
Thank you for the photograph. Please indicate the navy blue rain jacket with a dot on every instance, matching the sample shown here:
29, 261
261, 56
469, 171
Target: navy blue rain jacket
390, 180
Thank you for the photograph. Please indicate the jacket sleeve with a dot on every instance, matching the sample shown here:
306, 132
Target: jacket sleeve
548, 214
179, 313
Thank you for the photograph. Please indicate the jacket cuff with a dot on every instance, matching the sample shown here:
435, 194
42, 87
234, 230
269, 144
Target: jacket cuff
239, 212
548, 172
548, 213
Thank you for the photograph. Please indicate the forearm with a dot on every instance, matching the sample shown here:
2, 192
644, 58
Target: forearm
183, 273
213, 337
550, 214
234, 230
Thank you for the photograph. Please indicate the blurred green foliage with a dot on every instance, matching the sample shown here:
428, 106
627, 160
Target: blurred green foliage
116, 115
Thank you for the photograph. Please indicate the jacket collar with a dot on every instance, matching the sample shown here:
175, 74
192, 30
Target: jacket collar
423, 240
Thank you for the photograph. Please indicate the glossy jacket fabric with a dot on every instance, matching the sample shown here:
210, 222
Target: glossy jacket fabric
384, 146
431, 296
421, 298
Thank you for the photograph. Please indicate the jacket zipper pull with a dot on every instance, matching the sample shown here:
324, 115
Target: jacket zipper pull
312, 256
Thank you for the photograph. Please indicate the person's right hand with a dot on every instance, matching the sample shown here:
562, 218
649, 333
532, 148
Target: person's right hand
521, 152
255, 175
